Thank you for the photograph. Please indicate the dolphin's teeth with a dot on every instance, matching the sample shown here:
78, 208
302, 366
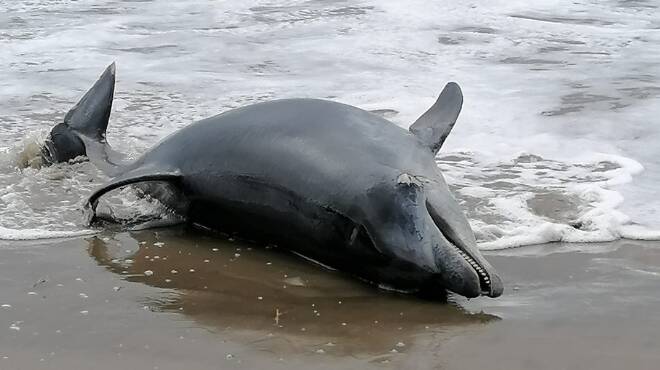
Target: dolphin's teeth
483, 276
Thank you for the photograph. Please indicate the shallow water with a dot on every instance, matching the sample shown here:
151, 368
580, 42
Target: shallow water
558, 128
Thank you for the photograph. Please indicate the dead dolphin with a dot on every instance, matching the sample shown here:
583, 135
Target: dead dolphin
328, 181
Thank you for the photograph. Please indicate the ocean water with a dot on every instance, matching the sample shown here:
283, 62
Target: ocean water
558, 139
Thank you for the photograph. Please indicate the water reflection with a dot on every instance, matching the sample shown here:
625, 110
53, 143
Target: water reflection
272, 300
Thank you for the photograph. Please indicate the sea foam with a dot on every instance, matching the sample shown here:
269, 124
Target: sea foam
557, 139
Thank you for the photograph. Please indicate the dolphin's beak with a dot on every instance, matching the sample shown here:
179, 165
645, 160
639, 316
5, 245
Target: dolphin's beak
460, 264
422, 225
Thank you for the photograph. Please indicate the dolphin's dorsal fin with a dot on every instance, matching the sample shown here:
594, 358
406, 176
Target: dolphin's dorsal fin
433, 127
134, 176
91, 114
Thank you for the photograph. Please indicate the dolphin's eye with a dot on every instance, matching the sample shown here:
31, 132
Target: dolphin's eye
359, 237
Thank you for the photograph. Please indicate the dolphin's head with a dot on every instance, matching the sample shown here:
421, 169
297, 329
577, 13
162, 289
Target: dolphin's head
415, 219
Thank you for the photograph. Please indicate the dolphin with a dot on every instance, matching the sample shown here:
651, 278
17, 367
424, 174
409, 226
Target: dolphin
331, 182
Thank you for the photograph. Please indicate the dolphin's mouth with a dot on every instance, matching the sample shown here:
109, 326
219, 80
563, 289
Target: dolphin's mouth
484, 278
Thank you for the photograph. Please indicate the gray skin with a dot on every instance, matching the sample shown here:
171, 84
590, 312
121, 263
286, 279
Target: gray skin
328, 181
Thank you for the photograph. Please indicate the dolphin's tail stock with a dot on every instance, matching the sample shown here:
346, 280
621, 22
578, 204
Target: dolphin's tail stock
83, 131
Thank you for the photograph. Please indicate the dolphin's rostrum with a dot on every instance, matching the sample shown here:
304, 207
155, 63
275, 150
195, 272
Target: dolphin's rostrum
329, 181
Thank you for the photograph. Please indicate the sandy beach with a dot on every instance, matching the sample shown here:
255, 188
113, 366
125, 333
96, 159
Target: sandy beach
172, 299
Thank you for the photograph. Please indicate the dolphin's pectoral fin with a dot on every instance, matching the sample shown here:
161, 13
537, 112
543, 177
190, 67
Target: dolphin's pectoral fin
433, 127
136, 176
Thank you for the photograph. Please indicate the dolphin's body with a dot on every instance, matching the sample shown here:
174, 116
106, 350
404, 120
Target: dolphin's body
329, 181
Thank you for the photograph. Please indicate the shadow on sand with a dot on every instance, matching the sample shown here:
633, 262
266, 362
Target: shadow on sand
273, 300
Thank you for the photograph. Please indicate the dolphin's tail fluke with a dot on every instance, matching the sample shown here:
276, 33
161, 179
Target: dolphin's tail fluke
83, 131
90, 116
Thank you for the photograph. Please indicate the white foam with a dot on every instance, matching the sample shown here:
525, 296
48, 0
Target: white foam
639, 232
534, 200
35, 234
570, 87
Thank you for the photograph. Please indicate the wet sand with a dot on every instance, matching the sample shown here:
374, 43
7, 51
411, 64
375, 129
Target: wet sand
173, 299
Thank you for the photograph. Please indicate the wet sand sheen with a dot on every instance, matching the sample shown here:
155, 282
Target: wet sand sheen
171, 299
265, 291
137, 299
